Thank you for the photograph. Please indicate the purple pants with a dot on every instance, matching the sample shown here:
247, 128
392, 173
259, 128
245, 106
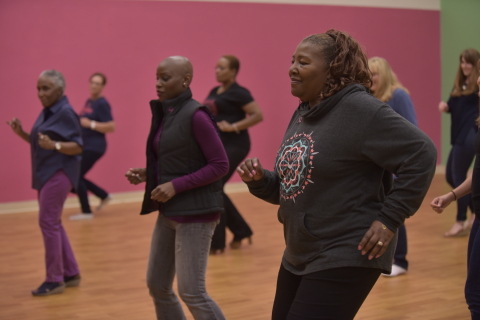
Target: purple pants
59, 258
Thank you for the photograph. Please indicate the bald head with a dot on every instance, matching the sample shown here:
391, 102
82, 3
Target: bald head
179, 64
174, 75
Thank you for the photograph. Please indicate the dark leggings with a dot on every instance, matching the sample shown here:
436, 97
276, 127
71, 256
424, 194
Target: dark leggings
459, 161
333, 294
88, 160
231, 218
400, 257
472, 287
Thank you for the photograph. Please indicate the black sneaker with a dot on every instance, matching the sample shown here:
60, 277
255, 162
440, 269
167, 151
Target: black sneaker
48, 288
72, 281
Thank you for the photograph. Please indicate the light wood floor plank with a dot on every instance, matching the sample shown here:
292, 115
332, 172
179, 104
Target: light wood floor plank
112, 251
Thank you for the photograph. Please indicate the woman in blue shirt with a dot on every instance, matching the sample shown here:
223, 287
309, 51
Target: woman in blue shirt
387, 88
96, 120
56, 145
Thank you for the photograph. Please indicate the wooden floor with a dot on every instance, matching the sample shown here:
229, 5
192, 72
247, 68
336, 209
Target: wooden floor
112, 252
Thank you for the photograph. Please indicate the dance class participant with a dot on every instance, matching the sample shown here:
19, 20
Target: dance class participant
387, 88
463, 108
230, 104
185, 162
55, 145
96, 120
471, 184
333, 182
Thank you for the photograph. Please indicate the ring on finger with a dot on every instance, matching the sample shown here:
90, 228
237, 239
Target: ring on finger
380, 243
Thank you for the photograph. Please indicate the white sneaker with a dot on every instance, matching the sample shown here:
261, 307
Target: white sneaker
81, 216
104, 202
396, 271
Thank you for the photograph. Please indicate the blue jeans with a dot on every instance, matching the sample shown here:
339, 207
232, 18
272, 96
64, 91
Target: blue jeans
181, 248
472, 287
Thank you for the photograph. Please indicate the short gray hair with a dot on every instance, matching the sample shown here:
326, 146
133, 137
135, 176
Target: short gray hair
56, 76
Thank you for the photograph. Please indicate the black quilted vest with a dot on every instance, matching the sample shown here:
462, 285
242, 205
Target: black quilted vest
178, 155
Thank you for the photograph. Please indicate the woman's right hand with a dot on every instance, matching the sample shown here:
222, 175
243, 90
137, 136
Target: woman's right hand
136, 175
250, 170
440, 203
443, 106
16, 126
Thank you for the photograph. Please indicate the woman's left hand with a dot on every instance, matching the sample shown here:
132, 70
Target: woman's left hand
376, 240
163, 192
225, 126
85, 122
45, 142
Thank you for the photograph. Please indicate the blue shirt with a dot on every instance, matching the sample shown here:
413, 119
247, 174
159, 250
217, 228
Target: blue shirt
61, 125
98, 110
401, 103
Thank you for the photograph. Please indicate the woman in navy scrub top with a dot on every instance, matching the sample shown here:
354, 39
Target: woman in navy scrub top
463, 108
231, 103
96, 120
56, 145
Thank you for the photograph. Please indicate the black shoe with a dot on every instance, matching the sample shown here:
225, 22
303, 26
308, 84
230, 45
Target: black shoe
73, 281
48, 288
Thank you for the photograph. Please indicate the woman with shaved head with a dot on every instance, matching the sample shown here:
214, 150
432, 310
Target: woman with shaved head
55, 144
185, 162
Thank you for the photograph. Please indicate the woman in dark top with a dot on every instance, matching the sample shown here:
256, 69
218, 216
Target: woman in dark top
471, 184
463, 108
333, 182
96, 120
55, 144
230, 103
185, 161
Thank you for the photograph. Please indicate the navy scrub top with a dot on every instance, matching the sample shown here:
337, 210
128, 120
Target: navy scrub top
98, 110
61, 124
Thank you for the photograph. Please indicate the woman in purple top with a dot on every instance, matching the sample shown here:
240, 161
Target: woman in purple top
185, 162
463, 108
96, 120
55, 144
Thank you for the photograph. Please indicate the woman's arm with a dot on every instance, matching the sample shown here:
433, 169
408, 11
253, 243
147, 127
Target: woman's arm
404, 150
440, 203
254, 116
102, 127
16, 126
69, 148
263, 184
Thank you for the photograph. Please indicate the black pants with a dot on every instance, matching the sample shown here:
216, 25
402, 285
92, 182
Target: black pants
400, 257
88, 160
333, 294
458, 163
232, 219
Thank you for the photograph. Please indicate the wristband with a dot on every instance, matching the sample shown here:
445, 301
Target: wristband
58, 146
235, 128
93, 124
454, 195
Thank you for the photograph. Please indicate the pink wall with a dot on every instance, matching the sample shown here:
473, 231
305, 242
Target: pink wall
127, 39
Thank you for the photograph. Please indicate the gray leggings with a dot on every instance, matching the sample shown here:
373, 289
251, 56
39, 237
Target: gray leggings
181, 248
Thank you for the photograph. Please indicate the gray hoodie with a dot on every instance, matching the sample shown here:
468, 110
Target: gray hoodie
332, 179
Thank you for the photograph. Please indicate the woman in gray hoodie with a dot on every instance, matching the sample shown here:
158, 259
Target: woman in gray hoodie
333, 181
